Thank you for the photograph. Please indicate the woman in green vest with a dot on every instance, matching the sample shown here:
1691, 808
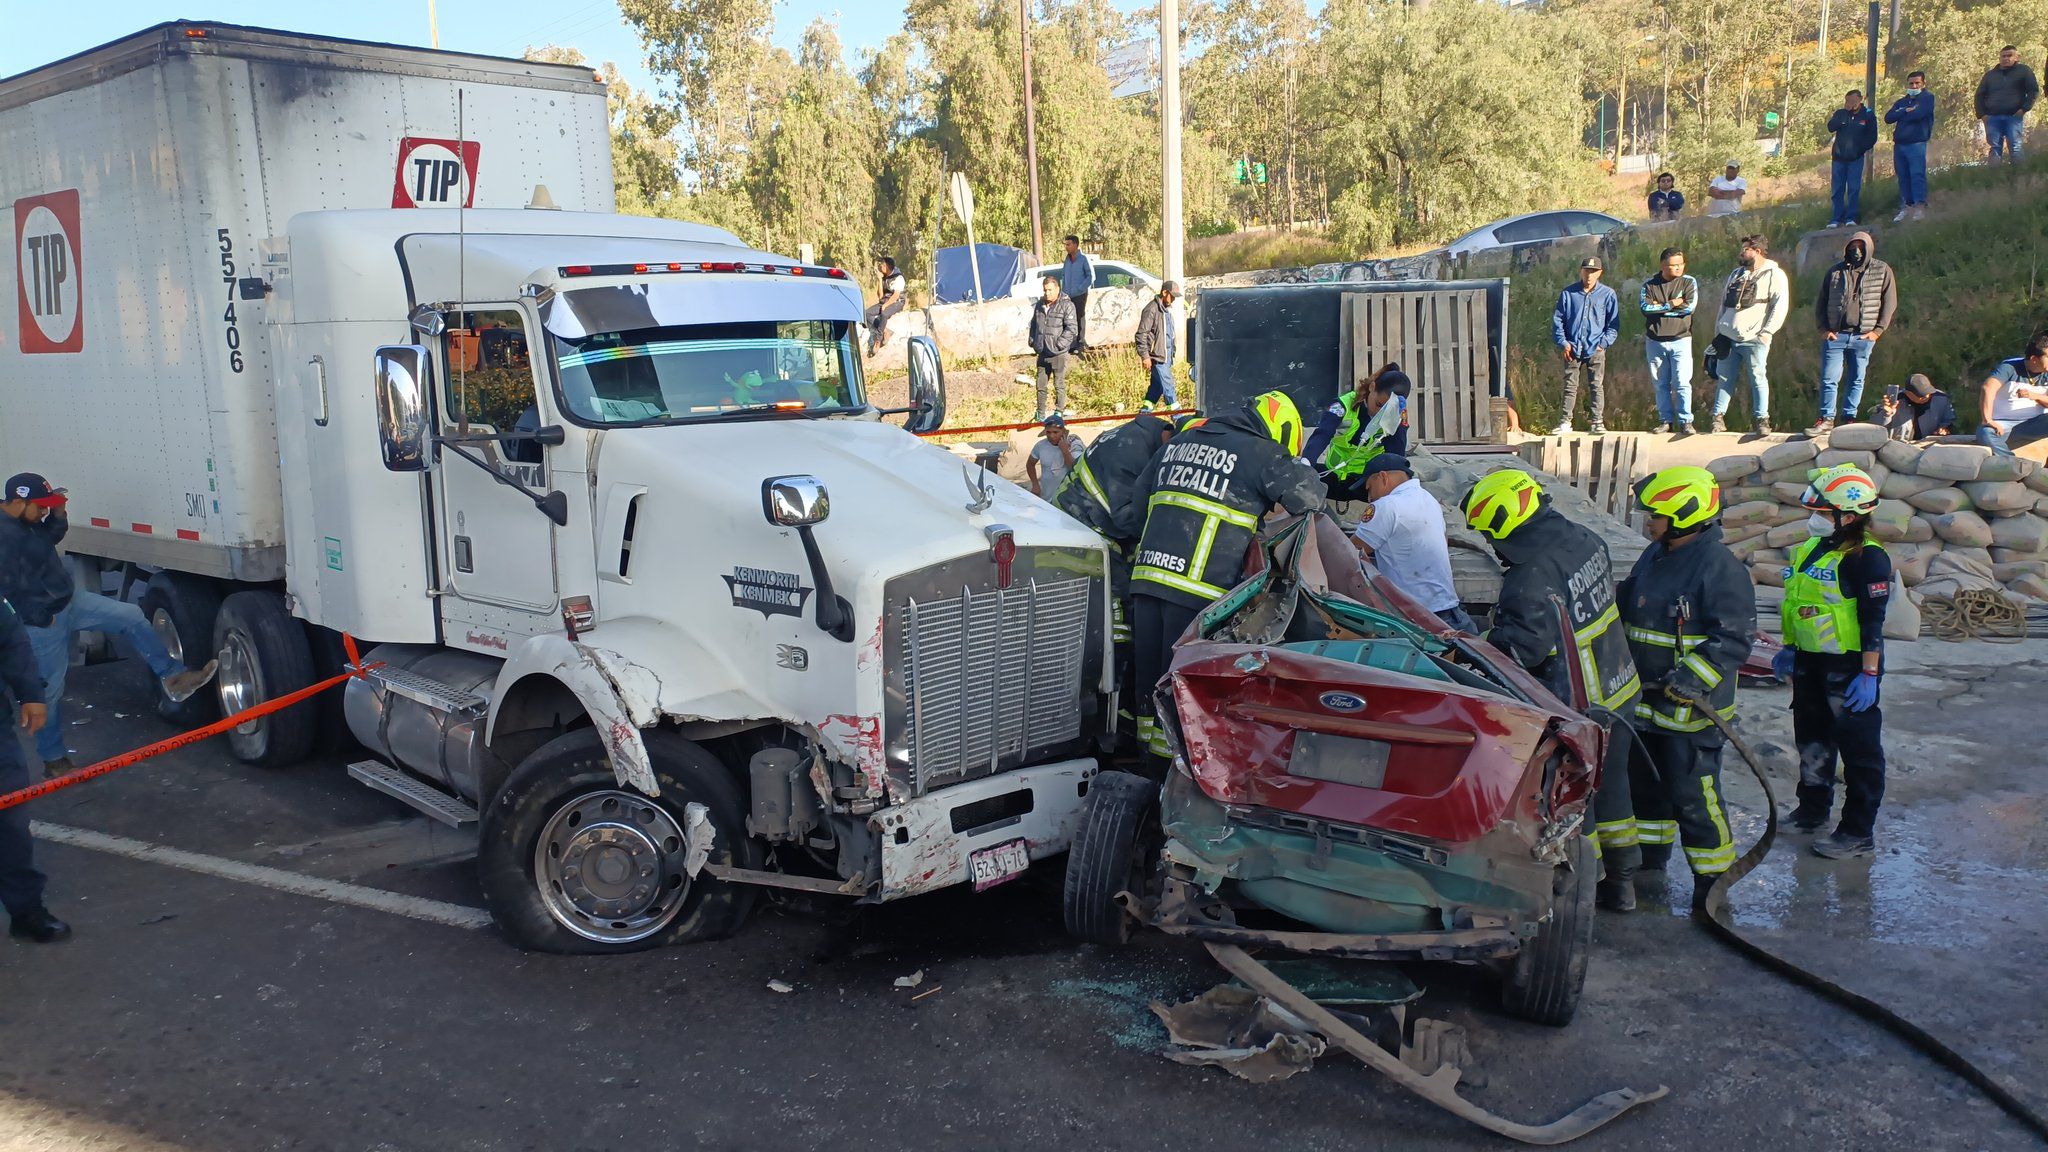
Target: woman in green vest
1358, 426
1836, 587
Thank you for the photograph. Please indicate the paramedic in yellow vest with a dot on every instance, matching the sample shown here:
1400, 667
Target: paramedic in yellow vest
1358, 427
1836, 588
1690, 610
1552, 565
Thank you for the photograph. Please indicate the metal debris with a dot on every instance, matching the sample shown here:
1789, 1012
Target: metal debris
1241, 1032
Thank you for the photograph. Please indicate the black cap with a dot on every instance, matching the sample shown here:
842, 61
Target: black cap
1919, 385
1594, 263
34, 489
1386, 462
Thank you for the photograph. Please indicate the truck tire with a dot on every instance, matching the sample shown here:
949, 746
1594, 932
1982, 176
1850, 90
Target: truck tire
182, 610
1549, 973
263, 655
1109, 856
563, 809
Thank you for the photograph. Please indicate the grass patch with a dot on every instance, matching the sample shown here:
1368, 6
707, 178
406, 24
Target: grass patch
1242, 251
1971, 288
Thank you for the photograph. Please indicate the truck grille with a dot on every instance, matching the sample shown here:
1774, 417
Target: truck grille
991, 676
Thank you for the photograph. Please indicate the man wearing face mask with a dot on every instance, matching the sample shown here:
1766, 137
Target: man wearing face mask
1857, 300
1912, 119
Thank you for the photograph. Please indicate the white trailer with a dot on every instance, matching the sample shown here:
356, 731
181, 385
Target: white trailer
287, 335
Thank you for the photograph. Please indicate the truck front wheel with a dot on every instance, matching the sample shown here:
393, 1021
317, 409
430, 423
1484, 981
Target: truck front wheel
263, 655
573, 862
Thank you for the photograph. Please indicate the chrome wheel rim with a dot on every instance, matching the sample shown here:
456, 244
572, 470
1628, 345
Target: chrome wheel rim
609, 866
240, 686
166, 631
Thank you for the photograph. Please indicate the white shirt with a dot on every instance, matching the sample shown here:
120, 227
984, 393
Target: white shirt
1409, 545
892, 284
2008, 409
1717, 207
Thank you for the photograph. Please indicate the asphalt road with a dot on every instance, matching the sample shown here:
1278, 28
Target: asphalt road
194, 1011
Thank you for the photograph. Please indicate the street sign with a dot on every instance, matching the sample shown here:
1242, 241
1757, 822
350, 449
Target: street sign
962, 198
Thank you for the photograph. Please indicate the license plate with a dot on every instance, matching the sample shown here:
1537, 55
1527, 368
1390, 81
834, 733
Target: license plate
991, 866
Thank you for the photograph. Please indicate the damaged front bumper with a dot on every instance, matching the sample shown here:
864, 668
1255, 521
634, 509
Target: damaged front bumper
927, 841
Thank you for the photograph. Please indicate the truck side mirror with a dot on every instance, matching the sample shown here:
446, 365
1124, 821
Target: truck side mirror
401, 424
927, 386
800, 502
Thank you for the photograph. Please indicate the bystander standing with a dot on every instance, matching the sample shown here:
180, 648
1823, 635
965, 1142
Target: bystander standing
1912, 119
1919, 411
1855, 130
1054, 332
2004, 97
1155, 346
1725, 192
1667, 302
2014, 400
1077, 276
1754, 303
1584, 324
1857, 300
1052, 457
1667, 201
21, 691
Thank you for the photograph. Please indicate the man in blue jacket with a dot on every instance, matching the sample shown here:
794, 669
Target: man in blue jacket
1585, 324
1855, 129
1912, 121
21, 885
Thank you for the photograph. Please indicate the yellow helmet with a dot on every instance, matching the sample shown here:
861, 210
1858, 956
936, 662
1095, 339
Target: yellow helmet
1844, 486
1280, 418
1502, 502
1189, 420
1687, 495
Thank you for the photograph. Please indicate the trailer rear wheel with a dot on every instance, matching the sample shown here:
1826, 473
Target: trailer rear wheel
573, 862
182, 609
1548, 975
263, 655
1114, 851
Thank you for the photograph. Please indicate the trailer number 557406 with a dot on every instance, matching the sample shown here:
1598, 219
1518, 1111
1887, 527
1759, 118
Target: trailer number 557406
227, 277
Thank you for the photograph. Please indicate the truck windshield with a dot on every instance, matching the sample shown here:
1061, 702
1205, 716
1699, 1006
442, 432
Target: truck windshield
681, 373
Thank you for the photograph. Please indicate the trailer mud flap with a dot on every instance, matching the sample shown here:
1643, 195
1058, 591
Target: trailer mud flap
1439, 1088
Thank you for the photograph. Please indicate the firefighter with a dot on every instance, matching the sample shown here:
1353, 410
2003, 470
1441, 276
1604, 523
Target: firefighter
1836, 589
1690, 610
1353, 431
1551, 562
1101, 491
1203, 496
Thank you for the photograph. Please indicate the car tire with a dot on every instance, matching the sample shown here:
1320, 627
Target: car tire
1549, 974
182, 609
263, 655
1108, 856
539, 809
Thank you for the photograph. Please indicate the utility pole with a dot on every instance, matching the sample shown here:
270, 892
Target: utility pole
1169, 134
433, 26
1870, 80
1030, 132
1820, 46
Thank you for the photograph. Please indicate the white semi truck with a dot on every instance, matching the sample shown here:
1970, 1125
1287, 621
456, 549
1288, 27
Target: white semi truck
337, 338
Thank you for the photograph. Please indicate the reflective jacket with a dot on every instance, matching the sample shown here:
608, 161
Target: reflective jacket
1690, 613
1101, 490
1818, 614
1343, 453
1203, 497
33, 577
1551, 556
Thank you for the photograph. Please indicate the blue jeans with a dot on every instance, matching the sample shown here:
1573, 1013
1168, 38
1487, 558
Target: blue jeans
1910, 161
88, 612
1671, 378
1750, 358
1161, 386
2003, 133
1848, 189
1844, 361
2016, 435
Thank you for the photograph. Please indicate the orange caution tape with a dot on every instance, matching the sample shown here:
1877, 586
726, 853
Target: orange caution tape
36, 791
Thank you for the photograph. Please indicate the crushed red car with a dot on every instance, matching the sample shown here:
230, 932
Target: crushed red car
1351, 777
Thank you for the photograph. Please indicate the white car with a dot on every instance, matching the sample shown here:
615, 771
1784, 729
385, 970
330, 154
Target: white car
1108, 274
1534, 228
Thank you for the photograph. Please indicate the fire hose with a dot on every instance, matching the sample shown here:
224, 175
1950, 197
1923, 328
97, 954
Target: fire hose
1718, 922
354, 670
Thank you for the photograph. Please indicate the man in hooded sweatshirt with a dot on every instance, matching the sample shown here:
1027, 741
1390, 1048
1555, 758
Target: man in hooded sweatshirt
1754, 303
1855, 305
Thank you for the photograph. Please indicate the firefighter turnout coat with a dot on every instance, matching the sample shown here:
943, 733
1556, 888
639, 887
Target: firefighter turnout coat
1551, 556
1690, 614
1102, 490
1203, 497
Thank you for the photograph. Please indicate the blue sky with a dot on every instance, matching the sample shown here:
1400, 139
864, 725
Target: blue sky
40, 33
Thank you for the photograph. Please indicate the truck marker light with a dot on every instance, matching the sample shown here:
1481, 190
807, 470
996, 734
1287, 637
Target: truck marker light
102, 522
675, 267
576, 270
145, 529
640, 269
195, 33
187, 534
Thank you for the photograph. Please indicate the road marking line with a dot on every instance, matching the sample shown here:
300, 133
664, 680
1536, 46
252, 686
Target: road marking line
335, 891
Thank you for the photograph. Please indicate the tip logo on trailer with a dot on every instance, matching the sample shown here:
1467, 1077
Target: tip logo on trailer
435, 173
47, 259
